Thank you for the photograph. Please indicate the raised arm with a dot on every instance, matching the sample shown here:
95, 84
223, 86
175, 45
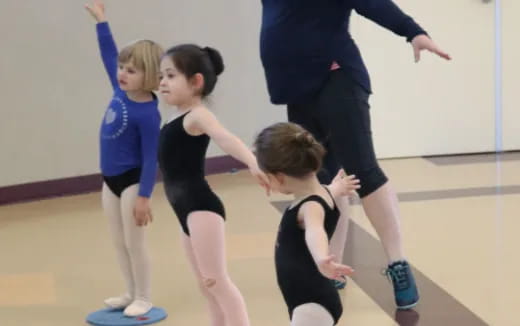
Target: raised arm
107, 45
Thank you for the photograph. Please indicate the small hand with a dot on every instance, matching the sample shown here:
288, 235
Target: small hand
97, 10
142, 211
344, 184
331, 269
261, 178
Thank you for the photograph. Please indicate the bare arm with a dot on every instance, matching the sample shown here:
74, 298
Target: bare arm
206, 122
313, 217
315, 236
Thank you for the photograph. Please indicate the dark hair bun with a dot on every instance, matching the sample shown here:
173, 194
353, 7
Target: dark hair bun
216, 60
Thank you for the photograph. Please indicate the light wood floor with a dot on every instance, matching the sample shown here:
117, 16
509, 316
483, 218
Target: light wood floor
460, 220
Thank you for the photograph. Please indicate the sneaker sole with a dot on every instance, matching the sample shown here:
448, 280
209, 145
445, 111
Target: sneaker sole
408, 306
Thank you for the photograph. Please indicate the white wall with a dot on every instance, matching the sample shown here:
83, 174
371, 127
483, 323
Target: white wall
511, 75
54, 89
434, 107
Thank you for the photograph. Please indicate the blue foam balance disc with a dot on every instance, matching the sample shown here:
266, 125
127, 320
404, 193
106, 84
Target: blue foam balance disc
111, 317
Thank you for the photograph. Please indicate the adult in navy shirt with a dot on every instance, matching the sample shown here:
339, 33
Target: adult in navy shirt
313, 66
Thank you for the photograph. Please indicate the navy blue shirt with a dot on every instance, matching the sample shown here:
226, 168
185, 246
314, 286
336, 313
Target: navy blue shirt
300, 39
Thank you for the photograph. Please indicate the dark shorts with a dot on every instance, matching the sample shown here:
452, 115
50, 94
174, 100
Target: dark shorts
339, 117
118, 183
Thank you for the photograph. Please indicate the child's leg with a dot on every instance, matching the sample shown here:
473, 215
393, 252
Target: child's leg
339, 238
111, 207
216, 313
207, 237
311, 314
135, 243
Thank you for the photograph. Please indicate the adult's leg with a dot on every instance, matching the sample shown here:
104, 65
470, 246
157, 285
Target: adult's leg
344, 111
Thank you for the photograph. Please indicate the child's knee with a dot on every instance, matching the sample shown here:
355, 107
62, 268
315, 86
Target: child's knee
216, 285
209, 282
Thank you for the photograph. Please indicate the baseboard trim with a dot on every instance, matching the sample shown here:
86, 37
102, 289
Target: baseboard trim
89, 183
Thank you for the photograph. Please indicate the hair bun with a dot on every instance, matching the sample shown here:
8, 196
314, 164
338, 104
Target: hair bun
304, 138
216, 59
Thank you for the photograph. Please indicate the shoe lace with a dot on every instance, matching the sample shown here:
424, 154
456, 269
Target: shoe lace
399, 276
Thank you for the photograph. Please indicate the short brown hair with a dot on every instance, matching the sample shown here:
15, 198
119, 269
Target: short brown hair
289, 149
145, 55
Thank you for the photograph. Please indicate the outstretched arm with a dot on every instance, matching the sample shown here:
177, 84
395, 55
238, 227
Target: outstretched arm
205, 121
318, 243
387, 14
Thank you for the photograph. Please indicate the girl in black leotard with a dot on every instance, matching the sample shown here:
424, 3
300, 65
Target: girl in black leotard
291, 157
189, 73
